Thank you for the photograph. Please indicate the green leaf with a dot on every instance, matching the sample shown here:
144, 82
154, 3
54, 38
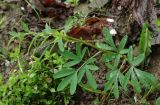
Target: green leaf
121, 78
92, 67
108, 37
80, 53
117, 61
69, 23
158, 101
126, 78
64, 72
137, 60
78, 50
13, 33
115, 89
64, 83
145, 76
25, 26
111, 74
61, 45
108, 57
130, 55
90, 60
124, 51
110, 66
73, 85
48, 29
81, 74
69, 55
105, 47
122, 43
135, 83
71, 63
109, 84
52, 90
83, 52
145, 40
91, 80
90, 89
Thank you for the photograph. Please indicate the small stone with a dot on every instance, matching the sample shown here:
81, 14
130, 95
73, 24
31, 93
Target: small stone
110, 20
113, 32
22, 8
7, 63
119, 8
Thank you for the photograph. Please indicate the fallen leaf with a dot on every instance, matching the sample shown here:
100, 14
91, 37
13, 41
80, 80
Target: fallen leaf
93, 26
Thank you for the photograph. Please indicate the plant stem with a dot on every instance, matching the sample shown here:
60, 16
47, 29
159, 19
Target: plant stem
89, 58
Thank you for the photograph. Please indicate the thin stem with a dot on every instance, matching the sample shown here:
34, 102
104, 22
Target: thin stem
144, 97
19, 64
89, 58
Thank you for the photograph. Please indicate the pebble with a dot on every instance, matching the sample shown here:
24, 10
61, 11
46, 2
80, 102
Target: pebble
110, 20
113, 32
